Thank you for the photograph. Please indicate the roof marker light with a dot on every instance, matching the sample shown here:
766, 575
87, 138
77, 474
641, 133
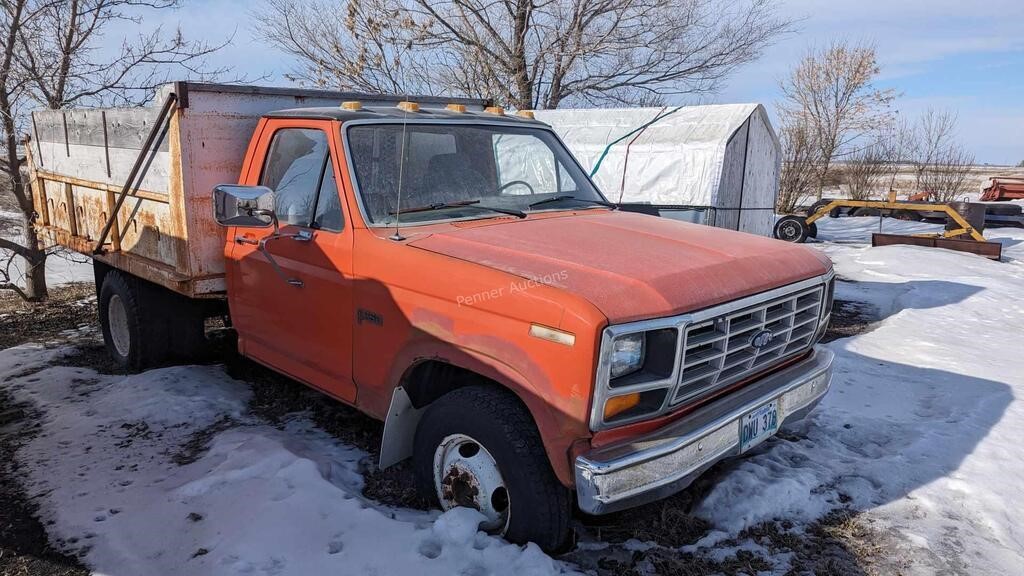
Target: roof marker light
528, 114
409, 106
352, 105
460, 108
496, 110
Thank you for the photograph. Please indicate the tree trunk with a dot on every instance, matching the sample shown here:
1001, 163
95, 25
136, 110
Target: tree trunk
523, 99
35, 266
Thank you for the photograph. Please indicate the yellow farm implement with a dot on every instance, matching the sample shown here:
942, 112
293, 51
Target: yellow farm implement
959, 235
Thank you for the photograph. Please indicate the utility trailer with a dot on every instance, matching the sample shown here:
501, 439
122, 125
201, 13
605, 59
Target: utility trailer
131, 187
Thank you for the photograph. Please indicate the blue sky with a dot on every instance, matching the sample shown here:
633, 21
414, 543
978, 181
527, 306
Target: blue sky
964, 55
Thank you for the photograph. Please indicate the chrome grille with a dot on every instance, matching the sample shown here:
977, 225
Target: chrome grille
719, 351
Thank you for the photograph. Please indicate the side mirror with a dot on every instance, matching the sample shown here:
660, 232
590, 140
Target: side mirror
244, 206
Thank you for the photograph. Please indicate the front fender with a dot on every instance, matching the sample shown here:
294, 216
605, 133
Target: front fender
528, 381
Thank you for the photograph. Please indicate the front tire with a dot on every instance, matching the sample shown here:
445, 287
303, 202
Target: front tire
478, 447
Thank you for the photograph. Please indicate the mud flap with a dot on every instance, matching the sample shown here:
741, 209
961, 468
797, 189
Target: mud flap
399, 430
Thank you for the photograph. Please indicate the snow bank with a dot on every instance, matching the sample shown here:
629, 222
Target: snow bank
259, 501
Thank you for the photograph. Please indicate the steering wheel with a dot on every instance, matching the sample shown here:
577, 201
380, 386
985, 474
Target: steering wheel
513, 183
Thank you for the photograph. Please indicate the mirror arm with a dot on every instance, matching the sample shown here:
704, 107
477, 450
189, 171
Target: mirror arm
261, 246
273, 218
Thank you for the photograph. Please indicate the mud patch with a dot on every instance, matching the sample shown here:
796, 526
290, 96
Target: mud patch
24, 546
850, 318
199, 442
843, 543
70, 310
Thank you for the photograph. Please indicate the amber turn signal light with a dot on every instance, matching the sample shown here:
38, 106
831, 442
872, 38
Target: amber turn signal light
618, 404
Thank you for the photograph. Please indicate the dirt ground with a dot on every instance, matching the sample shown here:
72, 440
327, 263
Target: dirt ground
843, 543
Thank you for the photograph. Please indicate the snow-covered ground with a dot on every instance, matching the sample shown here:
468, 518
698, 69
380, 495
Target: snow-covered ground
260, 501
923, 426
922, 431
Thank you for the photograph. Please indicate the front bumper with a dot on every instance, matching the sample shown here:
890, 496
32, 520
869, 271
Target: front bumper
651, 467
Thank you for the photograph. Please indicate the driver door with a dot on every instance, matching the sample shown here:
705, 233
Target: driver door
297, 316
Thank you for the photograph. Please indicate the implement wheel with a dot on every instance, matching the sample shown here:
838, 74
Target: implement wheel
833, 213
792, 229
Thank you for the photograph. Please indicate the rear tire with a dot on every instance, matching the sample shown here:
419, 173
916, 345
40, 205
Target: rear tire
129, 330
833, 213
1003, 209
792, 229
465, 433
145, 325
867, 211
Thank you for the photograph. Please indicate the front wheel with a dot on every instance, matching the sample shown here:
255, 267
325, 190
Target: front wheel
477, 447
792, 229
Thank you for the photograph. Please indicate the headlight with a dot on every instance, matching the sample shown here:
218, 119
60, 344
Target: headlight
627, 354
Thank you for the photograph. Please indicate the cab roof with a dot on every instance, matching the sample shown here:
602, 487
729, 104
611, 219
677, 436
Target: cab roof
396, 113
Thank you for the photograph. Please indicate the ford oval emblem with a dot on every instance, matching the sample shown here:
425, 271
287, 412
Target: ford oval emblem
762, 339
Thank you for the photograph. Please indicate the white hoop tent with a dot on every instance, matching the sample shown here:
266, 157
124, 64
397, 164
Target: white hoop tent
716, 165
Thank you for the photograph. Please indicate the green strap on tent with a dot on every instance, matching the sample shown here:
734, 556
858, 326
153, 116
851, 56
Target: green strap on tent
627, 135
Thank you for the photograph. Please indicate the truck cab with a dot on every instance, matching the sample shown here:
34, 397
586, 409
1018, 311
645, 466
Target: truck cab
457, 275
452, 271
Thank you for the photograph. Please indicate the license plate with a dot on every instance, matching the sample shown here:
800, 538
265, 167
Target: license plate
759, 425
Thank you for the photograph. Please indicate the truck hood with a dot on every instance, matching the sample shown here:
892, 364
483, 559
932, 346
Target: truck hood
632, 266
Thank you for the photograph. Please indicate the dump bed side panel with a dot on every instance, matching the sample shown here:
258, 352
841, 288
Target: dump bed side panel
82, 158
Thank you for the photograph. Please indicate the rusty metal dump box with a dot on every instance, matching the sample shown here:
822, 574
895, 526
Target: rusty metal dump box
154, 168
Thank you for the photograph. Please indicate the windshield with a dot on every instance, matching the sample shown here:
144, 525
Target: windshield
456, 171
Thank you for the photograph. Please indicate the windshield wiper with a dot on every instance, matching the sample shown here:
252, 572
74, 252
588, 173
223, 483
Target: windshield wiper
461, 204
571, 197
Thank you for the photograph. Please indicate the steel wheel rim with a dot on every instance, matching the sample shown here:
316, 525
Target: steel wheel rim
117, 321
789, 230
465, 474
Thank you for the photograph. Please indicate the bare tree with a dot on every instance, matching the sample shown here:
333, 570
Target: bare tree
832, 91
524, 53
864, 171
933, 135
51, 59
799, 164
895, 143
68, 72
948, 175
17, 14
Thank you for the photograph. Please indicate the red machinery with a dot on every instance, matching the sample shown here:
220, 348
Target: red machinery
1004, 189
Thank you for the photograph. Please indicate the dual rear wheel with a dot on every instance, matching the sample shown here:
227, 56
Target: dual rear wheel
146, 325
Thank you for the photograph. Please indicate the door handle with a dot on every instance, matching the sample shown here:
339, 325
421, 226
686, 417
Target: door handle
302, 236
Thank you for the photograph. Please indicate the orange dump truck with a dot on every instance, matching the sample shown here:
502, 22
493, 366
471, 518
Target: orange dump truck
449, 269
